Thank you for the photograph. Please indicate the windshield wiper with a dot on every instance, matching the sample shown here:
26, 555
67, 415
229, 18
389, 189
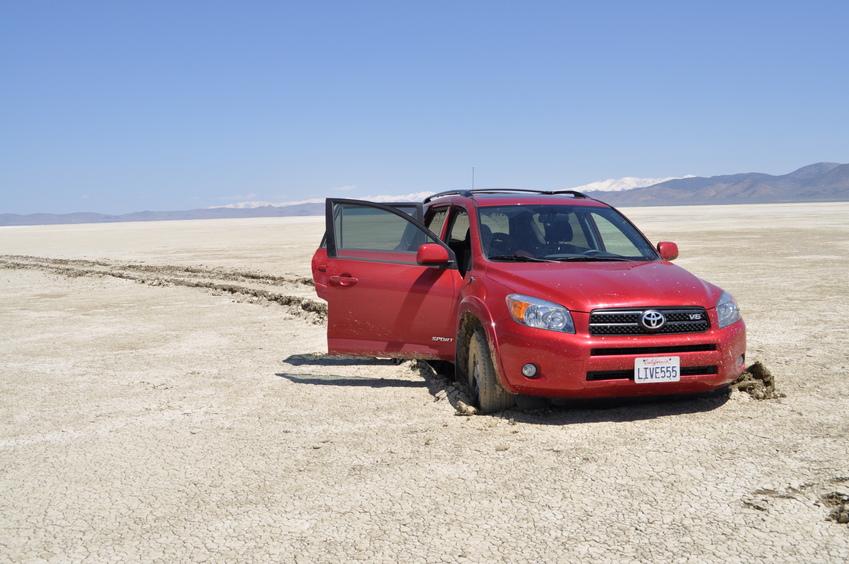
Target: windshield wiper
516, 258
588, 259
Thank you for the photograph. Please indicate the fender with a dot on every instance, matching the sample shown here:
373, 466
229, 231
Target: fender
475, 306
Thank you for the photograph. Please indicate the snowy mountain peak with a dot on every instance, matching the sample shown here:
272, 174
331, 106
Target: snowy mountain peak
627, 183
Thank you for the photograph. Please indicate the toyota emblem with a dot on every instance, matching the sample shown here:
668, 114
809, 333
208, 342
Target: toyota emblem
652, 320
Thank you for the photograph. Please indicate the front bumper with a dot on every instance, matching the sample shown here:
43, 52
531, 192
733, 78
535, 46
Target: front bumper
584, 366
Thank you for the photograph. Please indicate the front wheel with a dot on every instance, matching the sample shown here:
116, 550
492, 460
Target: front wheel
483, 384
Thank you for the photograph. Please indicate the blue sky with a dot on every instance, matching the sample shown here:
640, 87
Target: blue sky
117, 107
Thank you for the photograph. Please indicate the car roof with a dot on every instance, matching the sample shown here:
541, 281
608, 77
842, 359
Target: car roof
507, 197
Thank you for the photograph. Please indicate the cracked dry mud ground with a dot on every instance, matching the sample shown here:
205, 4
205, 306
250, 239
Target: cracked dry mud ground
147, 415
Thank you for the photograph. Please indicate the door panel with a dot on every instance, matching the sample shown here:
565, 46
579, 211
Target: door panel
381, 302
390, 310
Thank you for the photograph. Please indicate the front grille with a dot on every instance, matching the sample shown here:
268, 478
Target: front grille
615, 351
629, 374
628, 321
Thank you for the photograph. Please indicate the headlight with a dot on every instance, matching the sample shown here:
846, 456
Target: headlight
541, 314
727, 310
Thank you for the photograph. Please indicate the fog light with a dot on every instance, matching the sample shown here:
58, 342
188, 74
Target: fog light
529, 370
742, 360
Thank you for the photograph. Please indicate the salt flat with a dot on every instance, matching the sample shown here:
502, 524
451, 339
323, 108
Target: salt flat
164, 396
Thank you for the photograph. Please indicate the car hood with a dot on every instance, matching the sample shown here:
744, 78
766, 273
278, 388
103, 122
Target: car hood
584, 286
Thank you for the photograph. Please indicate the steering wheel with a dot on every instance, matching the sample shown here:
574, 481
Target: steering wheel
593, 252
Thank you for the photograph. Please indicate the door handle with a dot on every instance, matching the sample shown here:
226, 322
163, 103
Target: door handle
321, 268
343, 280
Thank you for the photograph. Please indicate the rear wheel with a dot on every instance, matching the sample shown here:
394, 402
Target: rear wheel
483, 383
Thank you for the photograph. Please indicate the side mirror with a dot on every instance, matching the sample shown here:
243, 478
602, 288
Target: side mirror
431, 253
667, 250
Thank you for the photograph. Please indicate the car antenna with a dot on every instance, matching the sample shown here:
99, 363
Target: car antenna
473, 178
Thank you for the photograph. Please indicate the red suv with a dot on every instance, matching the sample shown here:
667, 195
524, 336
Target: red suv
525, 292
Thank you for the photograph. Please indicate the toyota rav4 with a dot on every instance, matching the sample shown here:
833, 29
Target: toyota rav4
525, 292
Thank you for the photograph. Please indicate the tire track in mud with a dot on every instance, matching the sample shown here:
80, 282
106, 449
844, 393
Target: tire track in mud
290, 292
255, 287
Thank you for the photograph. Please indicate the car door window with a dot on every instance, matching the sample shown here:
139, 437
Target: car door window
370, 231
413, 209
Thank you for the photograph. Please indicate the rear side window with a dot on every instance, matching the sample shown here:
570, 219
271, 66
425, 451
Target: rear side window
436, 219
459, 227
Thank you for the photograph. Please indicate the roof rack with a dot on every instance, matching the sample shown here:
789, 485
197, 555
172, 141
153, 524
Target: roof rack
471, 193
464, 193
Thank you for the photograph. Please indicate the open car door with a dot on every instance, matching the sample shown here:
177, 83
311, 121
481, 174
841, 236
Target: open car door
392, 285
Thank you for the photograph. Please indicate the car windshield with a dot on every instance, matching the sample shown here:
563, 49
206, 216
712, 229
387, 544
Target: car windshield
555, 233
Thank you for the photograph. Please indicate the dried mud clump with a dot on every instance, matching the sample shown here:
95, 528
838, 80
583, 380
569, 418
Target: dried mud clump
758, 382
839, 503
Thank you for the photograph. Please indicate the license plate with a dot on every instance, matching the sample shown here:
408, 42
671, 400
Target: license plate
657, 369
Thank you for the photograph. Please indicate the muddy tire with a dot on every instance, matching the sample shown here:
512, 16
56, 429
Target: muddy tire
483, 384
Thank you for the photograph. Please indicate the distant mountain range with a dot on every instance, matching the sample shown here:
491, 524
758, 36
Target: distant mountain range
820, 182
206, 213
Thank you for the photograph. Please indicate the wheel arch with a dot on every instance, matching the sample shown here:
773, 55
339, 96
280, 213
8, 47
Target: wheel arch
475, 316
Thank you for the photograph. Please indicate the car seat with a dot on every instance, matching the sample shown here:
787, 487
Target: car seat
558, 235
